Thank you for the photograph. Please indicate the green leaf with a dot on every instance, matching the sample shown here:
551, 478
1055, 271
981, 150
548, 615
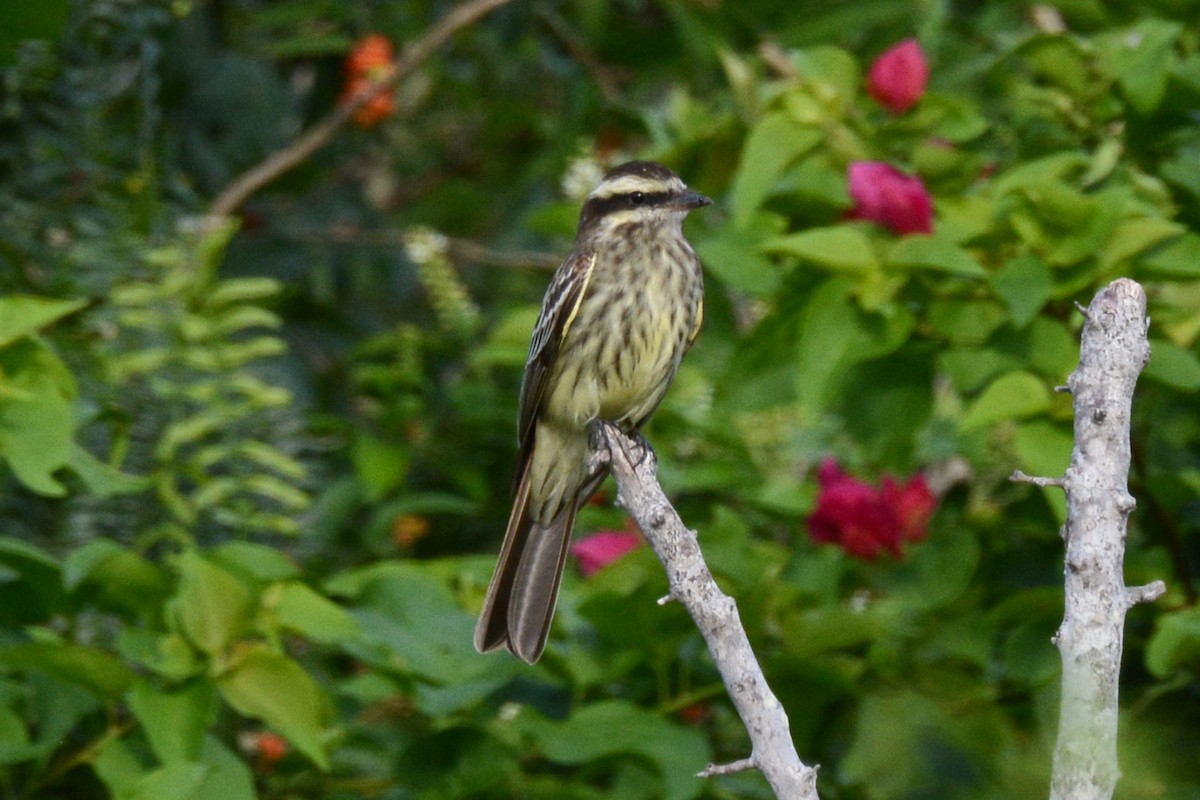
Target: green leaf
835, 334
309, 45
227, 777
507, 344
903, 741
1174, 366
14, 738
1024, 285
1051, 349
118, 768
1017, 394
95, 670
1135, 235
259, 561
947, 117
123, 578
1104, 160
832, 77
1176, 259
36, 427
761, 374
970, 367
179, 781
275, 689
22, 315
1044, 449
828, 326
588, 735
1141, 59
101, 479
933, 253
168, 655
175, 722
841, 247
410, 620
772, 145
731, 255
1182, 169
380, 465
1175, 643
31, 589
301, 609
213, 606
966, 321
45, 21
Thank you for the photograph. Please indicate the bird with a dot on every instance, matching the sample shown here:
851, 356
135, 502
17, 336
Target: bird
618, 316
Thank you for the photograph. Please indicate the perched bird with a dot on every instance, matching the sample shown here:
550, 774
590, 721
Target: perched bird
617, 319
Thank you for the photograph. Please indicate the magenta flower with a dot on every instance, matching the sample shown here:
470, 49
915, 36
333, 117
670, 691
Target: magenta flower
597, 551
866, 521
885, 195
898, 77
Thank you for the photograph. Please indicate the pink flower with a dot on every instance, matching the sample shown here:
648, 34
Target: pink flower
885, 195
913, 504
597, 551
865, 521
898, 77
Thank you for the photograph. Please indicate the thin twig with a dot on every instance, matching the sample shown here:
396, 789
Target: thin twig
1144, 594
726, 769
775, 57
459, 250
320, 134
1020, 477
605, 77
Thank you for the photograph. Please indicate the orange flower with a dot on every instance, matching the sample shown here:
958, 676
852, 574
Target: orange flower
370, 55
371, 59
408, 529
271, 747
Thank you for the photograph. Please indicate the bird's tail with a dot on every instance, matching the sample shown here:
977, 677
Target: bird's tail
524, 589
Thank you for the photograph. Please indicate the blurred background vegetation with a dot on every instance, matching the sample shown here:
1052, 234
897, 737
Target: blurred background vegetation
254, 474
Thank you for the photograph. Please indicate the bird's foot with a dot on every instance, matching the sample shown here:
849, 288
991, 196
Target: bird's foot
602, 433
641, 449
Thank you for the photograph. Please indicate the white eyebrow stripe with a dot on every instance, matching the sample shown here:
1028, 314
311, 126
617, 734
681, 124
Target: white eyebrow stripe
635, 183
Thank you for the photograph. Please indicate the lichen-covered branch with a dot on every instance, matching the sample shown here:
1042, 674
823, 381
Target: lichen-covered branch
1113, 352
634, 466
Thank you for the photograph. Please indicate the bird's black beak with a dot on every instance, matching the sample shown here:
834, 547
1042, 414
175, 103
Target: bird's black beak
690, 200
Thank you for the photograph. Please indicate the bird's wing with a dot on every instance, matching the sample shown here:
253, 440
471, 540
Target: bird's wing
696, 326
558, 312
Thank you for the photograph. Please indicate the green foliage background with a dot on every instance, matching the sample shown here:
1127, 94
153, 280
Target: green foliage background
254, 477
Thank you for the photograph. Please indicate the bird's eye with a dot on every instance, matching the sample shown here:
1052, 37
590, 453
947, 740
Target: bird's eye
637, 198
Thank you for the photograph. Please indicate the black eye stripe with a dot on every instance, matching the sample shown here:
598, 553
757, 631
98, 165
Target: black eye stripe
599, 206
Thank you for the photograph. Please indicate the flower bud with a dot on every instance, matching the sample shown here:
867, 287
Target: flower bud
898, 77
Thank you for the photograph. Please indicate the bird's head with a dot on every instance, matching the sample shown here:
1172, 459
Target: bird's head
639, 193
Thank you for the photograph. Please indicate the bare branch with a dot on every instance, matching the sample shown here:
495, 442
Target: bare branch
1020, 477
726, 769
633, 465
606, 78
1114, 350
320, 134
1144, 594
460, 250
